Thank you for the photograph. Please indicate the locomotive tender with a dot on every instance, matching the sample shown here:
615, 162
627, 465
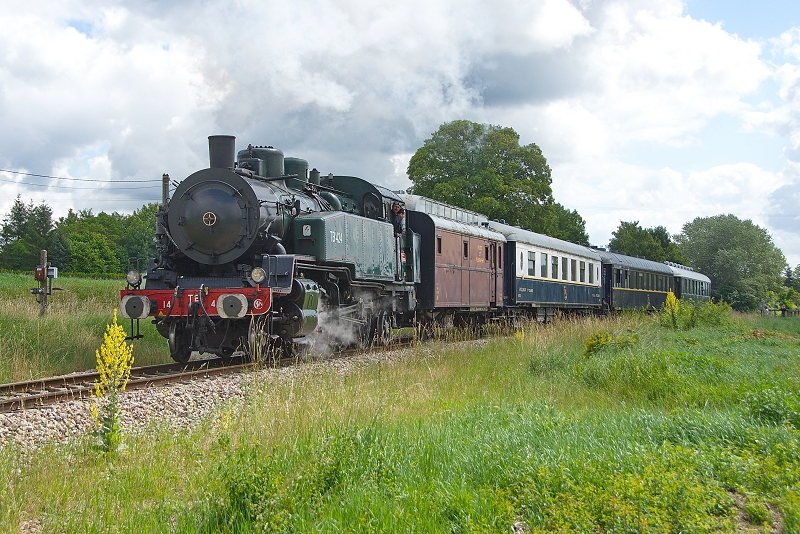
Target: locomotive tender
257, 250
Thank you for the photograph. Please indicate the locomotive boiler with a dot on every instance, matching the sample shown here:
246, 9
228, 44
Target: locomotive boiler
256, 250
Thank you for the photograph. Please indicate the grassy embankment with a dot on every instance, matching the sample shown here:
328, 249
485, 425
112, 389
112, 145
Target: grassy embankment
65, 340
652, 430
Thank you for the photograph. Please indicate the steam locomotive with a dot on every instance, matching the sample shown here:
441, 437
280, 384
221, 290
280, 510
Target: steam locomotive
258, 251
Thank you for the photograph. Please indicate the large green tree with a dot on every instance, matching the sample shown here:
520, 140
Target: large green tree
738, 256
483, 168
631, 239
569, 226
671, 250
652, 243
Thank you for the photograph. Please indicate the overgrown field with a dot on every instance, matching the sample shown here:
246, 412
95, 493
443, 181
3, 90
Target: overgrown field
620, 425
65, 339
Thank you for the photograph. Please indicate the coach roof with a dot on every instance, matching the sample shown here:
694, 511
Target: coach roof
629, 262
527, 237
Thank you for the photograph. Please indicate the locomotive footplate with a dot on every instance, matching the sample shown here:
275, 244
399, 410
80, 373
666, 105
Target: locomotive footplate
228, 302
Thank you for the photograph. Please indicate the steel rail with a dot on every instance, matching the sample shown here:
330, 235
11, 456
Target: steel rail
39, 392
46, 391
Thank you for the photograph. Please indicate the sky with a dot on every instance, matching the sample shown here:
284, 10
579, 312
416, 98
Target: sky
657, 111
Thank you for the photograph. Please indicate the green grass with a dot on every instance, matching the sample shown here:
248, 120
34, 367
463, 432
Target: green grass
65, 339
661, 431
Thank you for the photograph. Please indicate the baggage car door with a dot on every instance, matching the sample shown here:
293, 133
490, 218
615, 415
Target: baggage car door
493, 273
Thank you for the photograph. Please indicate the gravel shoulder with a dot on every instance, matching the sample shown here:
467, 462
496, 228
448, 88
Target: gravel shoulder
177, 405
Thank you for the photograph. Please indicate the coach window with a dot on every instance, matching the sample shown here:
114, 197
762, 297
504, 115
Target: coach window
564, 268
521, 263
499, 256
553, 266
591, 273
438, 244
543, 265
531, 264
574, 266
486, 252
583, 271
466, 249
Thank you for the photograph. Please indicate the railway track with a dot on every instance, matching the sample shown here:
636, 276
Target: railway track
45, 391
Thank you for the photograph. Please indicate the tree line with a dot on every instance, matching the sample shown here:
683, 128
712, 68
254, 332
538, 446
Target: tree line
483, 168
479, 167
745, 267
80, 242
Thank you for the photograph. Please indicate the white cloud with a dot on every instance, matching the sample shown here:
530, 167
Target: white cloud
660, 75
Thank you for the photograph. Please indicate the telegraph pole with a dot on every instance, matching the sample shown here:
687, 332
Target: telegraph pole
44, 274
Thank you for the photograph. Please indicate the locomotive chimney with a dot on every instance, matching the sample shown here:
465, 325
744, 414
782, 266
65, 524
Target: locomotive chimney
221, 151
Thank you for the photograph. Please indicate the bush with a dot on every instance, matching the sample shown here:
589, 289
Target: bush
602, 339
688, 314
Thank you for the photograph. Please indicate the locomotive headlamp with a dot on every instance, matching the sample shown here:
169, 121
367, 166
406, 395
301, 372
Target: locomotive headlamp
134, 278
258, 275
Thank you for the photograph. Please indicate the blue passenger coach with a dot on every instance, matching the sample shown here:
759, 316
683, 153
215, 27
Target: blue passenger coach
543, 273
632, 283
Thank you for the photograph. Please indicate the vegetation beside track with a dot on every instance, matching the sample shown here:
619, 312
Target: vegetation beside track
65, 339
657, 430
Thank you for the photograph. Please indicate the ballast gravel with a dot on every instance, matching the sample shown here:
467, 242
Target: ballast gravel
177, 405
